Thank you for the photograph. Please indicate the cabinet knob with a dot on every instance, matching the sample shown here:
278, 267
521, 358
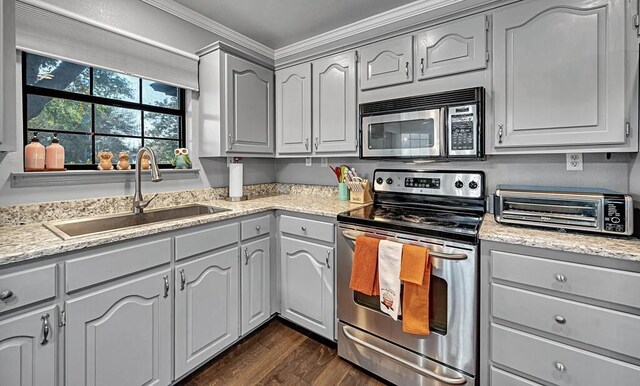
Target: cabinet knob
166, 286
316, 143
304, 229
560, 319
45, 329
327, 259
406, 69
230, 141
183, 280
246, 256
306, 143
560, 367
422, 66
560, 278
6, 295
500, 132
258, 228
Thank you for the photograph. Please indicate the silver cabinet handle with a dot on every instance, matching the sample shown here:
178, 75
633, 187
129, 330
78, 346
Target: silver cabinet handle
258, 228
306, 143
560, 278
45, 329
560, 367
246, 256
327, 259
230, 141
316, 143
304, 229
166, 285
560, 319
183, 280
500, 132
6, 295
457, 380
422, 66
406, 69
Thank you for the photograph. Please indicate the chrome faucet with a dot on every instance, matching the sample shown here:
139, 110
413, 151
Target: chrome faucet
138, 203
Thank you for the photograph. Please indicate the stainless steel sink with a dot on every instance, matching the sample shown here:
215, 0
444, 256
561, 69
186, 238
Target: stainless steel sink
68, 229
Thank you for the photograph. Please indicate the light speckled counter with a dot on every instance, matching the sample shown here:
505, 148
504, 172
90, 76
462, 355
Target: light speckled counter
585, 243
25, 242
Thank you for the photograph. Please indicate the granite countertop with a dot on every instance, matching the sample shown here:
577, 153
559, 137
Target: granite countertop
25, 242
626, 248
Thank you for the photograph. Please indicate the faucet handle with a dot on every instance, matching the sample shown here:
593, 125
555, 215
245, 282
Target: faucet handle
143, 204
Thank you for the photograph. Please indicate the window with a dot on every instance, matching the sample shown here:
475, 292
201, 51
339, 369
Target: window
92, 109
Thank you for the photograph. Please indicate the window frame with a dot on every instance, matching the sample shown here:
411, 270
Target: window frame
94, 100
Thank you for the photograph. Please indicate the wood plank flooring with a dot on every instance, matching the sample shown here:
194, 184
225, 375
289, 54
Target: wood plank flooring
280, 353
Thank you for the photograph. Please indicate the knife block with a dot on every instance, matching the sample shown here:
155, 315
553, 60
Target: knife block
362, 196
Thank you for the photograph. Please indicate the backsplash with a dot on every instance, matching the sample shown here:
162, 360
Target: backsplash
51, 211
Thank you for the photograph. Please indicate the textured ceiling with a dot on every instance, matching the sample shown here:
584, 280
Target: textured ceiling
278, 23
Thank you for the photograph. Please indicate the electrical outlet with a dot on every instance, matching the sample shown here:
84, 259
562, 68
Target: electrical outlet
307, 161
574, 161
324, 162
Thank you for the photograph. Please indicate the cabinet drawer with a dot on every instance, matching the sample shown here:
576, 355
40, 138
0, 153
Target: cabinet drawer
312, 229
593, 282
256, 227
503, 378
111, 263
27, 287
558, 363
193, 243
588, 324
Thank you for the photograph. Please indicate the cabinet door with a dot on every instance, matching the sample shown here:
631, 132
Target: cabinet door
559, 86
121, 335
452, 48
386, 63
307, 285
26, 358
8, 77
293, 109
206, 308
249, 106
256, 284
335, 112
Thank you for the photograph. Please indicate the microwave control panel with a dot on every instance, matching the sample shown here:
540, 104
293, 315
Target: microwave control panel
462, 130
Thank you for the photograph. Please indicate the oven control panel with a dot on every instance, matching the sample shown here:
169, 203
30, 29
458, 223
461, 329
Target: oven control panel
438, 183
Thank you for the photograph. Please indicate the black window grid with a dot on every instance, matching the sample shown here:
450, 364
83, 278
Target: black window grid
98, 100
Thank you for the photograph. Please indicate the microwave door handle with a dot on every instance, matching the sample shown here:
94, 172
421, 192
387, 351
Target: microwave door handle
437, 255
444, 132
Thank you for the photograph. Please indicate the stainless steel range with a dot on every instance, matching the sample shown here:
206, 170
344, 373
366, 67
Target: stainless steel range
442, 211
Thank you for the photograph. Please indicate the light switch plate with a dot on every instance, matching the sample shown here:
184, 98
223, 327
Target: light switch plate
574, 161
307, 161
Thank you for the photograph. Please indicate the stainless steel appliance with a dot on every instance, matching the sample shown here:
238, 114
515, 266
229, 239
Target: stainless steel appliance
441, 210
447, 125
592, 210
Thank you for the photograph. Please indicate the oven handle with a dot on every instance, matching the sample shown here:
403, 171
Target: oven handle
428, 373
437, 255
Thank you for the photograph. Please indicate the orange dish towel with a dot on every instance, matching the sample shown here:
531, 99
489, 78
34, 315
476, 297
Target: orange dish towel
415, 297
364, 273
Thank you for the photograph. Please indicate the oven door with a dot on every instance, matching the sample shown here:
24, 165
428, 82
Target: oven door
412, 134
452, 300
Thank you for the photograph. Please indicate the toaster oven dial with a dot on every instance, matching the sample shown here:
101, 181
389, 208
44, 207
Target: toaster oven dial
473, 185
379, 180
458, 184
389, 180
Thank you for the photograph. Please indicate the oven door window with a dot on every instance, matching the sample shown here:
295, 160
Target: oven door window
438, 304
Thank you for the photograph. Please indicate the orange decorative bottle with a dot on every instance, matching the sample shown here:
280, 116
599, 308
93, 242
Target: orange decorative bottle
55, 155
34, 155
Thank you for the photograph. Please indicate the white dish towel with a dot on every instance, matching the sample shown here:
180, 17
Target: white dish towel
389, 262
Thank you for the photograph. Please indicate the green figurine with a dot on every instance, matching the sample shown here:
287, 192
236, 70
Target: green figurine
181, 159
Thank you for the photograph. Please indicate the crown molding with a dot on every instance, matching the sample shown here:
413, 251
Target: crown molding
394, 15
210, 25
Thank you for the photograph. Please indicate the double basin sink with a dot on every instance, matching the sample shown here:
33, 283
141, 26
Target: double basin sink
69, 229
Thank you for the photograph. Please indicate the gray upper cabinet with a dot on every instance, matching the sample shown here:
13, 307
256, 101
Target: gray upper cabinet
335, 114
293, 110
249, 102
8, 77
256, 284
206, 308
452, 48
559, 86
387, 63
121, 335
307, 273
28, 345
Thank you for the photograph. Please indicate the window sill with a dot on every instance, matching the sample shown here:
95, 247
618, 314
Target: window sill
84, 177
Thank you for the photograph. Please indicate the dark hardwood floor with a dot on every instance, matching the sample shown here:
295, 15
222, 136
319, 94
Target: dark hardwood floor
279, 353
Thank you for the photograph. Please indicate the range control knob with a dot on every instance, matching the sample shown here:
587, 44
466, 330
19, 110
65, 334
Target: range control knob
379, 180
473, 185
389, 180
458, 184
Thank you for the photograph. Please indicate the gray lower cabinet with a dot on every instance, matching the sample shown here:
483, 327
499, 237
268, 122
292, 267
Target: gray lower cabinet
555, 86
335, 110
206, 308
28, 348
550, 317
293, 110
255, 277
386, 63
307, 277
121, 335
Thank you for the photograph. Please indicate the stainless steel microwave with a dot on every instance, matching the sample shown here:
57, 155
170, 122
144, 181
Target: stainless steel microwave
448, 125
